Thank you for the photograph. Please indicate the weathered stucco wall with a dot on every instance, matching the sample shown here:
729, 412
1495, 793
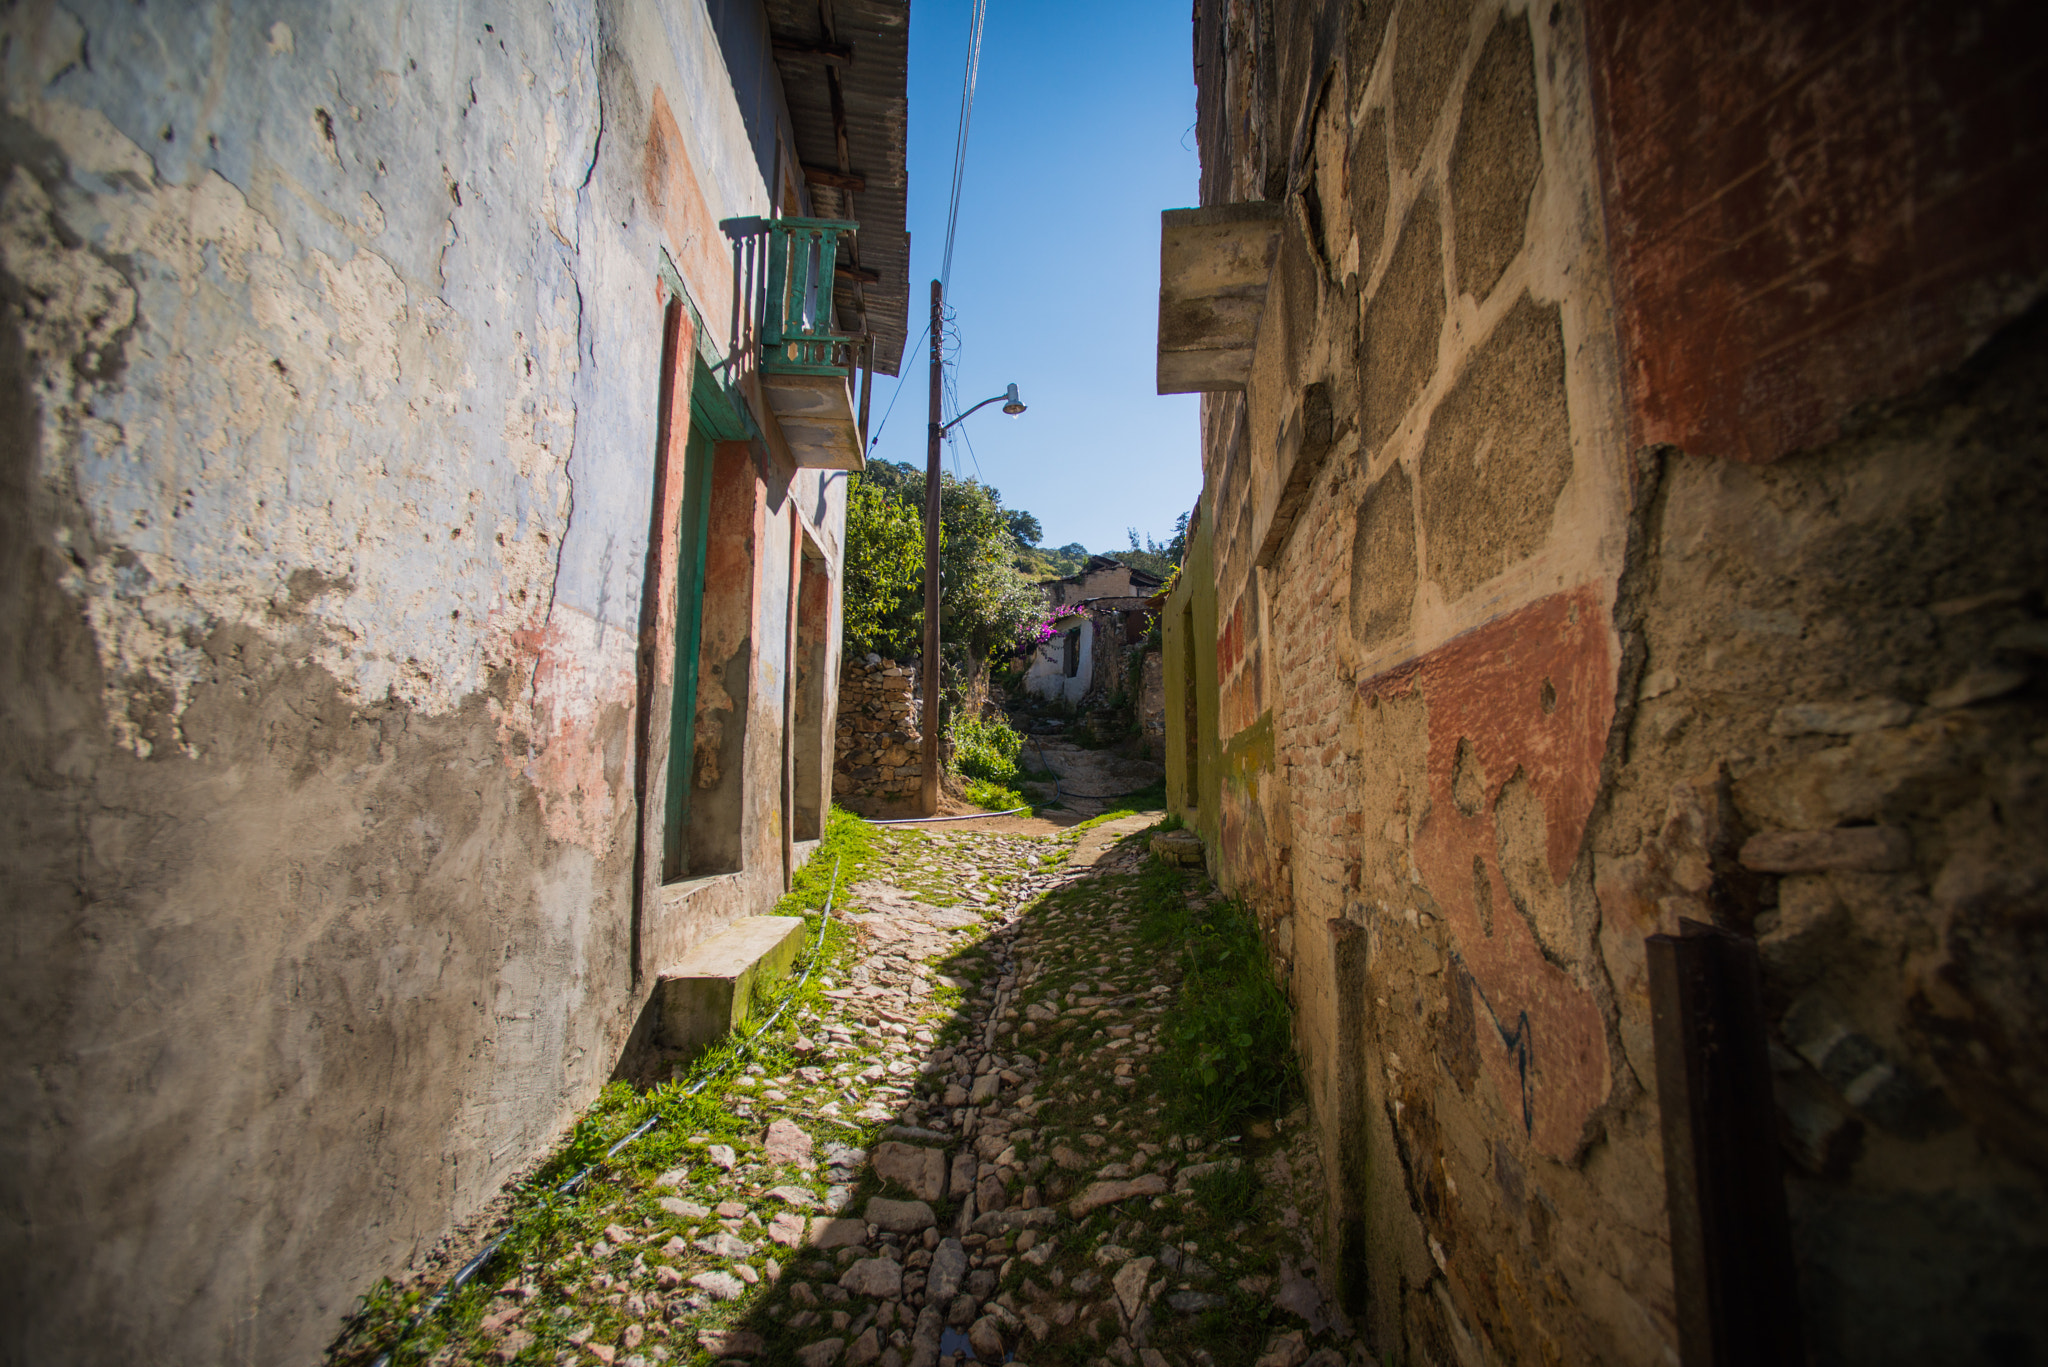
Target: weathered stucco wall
1503, 685
332, 363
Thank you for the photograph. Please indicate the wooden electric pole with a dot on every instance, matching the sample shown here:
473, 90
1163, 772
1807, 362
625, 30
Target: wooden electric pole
929, 790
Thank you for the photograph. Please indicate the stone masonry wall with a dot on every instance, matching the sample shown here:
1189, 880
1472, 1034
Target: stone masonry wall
879, 756
1152, 705
1424, 470
1504, 685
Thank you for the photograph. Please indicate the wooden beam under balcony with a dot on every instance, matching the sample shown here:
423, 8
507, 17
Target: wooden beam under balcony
811, 47
836, 180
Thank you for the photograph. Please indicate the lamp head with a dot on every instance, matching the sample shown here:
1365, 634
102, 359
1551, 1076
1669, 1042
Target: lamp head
1012, 404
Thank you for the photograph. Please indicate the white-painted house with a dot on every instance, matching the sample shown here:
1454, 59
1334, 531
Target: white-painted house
1064, 667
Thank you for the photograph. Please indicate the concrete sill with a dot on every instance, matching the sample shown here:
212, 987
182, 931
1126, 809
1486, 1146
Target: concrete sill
708, 992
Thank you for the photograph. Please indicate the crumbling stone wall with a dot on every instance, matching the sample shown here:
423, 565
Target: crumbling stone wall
1503, 684
1837, 744
880, 759
1433, 399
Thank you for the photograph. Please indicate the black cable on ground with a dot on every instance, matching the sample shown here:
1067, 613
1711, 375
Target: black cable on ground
919, 820
484, 1255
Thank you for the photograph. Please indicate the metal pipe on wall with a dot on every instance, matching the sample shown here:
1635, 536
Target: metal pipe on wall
796, 571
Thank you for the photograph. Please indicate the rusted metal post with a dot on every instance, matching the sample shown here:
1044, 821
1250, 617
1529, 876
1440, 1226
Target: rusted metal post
928, 791
1731, 1247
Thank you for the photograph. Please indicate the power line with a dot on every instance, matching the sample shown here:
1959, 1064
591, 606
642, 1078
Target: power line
976, 22
901, 375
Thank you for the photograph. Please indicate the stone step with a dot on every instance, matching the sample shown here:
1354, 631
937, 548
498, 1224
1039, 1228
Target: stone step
708, 992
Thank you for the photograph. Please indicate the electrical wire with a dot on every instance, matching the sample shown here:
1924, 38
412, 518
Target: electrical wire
483, 1257
901, 375
976, 22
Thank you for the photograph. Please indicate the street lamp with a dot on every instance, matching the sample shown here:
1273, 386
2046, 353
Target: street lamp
928, 793
1008, 399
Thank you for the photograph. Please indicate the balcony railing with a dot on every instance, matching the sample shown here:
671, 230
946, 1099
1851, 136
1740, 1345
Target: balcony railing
797, 337
786, 267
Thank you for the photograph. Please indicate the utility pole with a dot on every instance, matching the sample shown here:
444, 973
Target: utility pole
929, 791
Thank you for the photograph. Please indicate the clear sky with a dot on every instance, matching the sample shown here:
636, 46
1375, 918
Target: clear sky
1082, 133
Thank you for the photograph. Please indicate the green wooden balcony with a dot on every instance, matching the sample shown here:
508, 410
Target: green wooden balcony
807, 366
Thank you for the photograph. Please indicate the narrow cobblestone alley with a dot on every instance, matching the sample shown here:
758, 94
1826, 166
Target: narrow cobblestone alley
964, 1142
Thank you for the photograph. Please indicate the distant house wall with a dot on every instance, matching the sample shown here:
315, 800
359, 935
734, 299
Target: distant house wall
1063, 668
1058, 670
351, 357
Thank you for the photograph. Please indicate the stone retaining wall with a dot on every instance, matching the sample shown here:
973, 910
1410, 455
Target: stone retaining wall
878, 756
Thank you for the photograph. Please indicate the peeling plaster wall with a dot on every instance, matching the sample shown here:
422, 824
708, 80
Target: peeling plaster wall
1502, 685
331, 351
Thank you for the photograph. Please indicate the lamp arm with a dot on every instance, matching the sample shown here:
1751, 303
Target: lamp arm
947, 427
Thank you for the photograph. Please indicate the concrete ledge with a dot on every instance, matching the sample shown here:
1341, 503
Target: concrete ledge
1213, 268
707, 994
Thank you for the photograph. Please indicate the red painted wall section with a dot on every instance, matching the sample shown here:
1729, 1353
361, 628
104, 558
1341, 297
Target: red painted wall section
1237, 669
701, 251
1531, 694
670, 488
1813, 205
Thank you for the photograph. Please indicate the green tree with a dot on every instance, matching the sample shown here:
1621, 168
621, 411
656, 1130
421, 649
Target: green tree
984, 602
884, 602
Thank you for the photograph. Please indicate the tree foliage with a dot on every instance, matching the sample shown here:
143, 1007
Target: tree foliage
884, 603
1157, 558
984, 602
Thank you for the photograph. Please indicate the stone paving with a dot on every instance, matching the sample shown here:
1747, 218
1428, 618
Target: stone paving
966, 1160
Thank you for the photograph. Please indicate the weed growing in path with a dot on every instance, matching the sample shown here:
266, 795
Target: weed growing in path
1229, 1052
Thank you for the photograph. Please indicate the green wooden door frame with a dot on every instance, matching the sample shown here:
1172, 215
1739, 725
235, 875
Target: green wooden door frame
712, 419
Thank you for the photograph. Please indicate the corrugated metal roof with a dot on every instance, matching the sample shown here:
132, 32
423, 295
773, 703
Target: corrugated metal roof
812, 43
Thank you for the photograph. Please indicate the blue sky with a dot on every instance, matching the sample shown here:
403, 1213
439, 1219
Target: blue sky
1082, 134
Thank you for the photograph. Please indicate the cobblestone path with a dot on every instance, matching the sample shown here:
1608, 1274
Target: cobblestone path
959, 1148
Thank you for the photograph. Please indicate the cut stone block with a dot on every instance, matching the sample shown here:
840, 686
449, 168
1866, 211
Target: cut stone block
706, 994
1178, 847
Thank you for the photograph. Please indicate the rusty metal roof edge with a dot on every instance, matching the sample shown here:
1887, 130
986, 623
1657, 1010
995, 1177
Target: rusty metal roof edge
875, 97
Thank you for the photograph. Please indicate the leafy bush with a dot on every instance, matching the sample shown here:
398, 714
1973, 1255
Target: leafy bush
995, 797
884, 602
985, 748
